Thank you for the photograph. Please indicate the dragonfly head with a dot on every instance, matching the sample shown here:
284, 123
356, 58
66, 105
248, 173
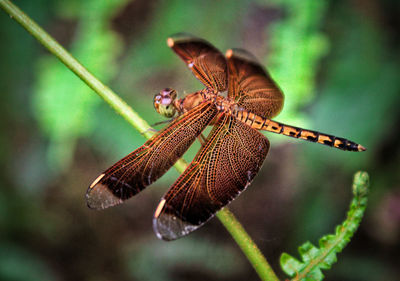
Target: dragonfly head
164, 102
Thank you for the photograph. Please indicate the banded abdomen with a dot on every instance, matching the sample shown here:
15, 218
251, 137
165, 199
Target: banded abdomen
265, 124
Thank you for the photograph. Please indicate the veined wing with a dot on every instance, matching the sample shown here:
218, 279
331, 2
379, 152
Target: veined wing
206, 62
251, 86
146, 164
224, 167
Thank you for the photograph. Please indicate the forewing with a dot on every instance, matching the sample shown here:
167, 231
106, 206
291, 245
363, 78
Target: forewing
146, 164
251, 86
206, 62
224, 167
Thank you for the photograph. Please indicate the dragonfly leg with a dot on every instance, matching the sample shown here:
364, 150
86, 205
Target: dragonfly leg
202, 139
162, 122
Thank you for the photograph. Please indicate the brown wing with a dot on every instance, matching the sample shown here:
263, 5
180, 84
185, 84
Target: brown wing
224, 167
251, 86
146, 164
206, 62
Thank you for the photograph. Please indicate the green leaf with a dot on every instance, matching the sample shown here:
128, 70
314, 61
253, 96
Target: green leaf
316, 259
290, 264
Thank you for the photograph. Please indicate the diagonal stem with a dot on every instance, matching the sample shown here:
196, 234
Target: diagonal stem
233, 226
249, 248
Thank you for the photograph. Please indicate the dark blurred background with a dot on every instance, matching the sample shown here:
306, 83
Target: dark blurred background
338, 63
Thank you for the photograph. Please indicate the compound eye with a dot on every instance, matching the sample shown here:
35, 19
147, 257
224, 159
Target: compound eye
164, 102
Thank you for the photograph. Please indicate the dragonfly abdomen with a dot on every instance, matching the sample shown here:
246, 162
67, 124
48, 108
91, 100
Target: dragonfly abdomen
260, 123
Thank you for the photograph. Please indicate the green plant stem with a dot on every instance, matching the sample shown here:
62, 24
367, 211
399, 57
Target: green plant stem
247, 245
233, 226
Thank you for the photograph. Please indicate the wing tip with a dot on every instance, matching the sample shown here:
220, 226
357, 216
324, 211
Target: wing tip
229, 53
169, 227
170, 42
159, 208
99, 196
162, 230
242, 54
93, 184
183, 37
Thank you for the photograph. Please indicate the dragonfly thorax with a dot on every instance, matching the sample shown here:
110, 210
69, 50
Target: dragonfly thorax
164, 102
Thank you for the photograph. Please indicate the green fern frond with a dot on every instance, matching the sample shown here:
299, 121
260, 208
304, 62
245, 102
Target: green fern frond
315, 259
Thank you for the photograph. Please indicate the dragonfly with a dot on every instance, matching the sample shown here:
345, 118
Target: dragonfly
239, 100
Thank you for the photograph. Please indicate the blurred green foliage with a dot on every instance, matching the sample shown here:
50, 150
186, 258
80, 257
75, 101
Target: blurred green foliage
338, 64
13, 258
154, 262
297, 45
63, 104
